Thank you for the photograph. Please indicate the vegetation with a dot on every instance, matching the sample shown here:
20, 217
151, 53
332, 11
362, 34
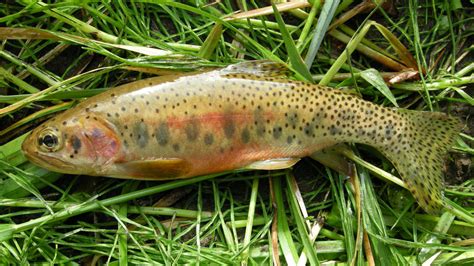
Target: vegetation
55, 54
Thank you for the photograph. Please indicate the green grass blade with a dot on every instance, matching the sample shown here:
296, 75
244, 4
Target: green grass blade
233, 221
343, 212
287, 244
375, 79
309, 250
211, 42
250, 220
225, 229
296, 61
307, 27
93, 205
351, 46
327, 14
373, 221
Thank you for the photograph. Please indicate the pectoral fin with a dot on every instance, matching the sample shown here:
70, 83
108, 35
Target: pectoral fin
157, 169
273, 164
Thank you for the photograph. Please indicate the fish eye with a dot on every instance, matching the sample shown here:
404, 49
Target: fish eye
49, 140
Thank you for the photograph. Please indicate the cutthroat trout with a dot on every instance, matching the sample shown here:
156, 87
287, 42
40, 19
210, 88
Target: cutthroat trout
242, 116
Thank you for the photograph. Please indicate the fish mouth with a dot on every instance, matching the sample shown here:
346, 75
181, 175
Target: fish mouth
51, 163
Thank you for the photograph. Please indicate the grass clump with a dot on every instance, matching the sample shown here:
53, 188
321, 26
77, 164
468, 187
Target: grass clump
414, 55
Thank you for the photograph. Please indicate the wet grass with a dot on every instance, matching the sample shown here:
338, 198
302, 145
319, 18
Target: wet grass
52, 55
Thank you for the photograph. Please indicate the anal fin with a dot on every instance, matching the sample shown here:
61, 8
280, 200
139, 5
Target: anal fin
333, 158
273, 164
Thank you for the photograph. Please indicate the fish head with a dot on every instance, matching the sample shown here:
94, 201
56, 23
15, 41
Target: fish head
83, 144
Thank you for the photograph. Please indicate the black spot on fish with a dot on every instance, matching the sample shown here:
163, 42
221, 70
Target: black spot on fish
389, 131
333, 130
277, 132
229, 126
176, 147
141, 132
292, 118
76, 143
192, 130
162, 134
259, 122
208, 139
289, 139
245, 136
308, 130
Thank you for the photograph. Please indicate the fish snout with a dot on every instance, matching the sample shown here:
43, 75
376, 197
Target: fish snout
28, 146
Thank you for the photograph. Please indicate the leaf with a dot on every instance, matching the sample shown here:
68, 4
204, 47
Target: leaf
210, 44
375, 79
282, 7
295, 58
404, 54
296, 211
285, 239
327, 14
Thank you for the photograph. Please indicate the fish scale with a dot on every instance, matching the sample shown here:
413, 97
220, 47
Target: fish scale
180, 126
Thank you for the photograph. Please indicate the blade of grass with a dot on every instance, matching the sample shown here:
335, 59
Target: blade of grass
198, 223
287, 244
281, 7
71, 82
419, 54
293, 55
22, 179
9, 229
211, 42
17, 81
307, 26
343, 213
225, 230
327, 15
300, 223
375, 79
250, 220
10, 152
441, 227
374, 222
35, 116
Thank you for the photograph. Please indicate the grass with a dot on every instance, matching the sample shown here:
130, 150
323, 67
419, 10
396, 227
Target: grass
52, 55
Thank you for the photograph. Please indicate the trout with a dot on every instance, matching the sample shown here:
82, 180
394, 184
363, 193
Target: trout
247, 115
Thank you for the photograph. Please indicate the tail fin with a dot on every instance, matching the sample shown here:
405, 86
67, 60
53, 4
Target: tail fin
420, 155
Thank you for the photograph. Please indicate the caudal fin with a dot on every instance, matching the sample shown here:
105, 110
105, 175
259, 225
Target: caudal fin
420, 153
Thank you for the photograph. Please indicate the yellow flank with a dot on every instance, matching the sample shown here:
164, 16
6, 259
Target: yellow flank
242, 116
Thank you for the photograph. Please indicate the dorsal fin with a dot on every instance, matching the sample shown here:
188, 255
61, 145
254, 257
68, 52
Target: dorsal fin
264, 68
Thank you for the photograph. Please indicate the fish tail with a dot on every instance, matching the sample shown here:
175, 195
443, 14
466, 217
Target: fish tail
419, 154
